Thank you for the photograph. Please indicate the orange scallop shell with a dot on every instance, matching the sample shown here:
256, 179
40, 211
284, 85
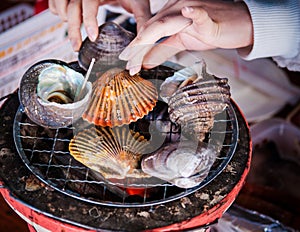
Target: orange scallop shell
113, 152
119, 99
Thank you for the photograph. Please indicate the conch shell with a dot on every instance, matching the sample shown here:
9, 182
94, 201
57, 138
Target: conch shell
119, 99
48, 93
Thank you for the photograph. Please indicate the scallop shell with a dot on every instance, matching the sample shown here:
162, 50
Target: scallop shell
111, 41
115, 153
184, 164
48, 92
119, 98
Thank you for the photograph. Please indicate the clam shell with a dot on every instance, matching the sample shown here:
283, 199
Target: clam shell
48, 92
172, 83
119, 98
203, 98
115, 153
196, 101
111, 41
184, 164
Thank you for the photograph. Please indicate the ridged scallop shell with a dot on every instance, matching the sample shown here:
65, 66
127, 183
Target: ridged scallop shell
115, 153
196, 101
119, 98
48, 92
184, 164
111, 41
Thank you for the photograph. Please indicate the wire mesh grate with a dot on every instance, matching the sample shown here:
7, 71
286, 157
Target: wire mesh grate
45, 152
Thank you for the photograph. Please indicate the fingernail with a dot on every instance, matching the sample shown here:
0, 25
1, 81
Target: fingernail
92, 33
134, 70
127, 66
188, 9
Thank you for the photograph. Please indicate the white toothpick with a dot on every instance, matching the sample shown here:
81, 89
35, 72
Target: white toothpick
86, 77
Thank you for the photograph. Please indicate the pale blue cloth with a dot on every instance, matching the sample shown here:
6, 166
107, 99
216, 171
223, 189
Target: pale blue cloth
276, 27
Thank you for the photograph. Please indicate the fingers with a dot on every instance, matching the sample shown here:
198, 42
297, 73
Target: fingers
163, 27
163, 51
134, 65
59, 7
74, 14
90, 10
206, 28
52, 7
141, 11
197, 14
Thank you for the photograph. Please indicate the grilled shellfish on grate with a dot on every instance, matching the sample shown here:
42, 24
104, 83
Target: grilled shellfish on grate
196, 100
48, 92
112, 39
119, 98
113, 152
184, 164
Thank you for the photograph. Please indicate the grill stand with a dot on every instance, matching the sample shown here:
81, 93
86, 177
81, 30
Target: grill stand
55, 211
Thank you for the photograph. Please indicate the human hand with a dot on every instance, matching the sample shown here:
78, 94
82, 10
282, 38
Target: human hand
189, 25
85, 11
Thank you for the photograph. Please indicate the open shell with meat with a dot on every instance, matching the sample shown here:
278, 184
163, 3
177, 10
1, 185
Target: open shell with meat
184, 163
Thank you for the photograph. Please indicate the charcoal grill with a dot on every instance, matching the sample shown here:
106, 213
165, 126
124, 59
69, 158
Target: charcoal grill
45, 154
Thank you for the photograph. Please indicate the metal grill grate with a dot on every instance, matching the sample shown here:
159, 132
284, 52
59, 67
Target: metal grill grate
45, 152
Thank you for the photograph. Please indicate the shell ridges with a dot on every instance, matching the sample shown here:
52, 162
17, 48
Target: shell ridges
113, 152
119, 99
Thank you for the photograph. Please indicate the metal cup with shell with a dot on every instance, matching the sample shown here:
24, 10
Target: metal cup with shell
48, 94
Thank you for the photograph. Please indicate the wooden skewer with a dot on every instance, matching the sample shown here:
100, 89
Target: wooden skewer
86, 78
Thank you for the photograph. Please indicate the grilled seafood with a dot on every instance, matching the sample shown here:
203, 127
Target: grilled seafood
48, 92
113, 152
195, 100
184, 164
119, 98
112, 39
